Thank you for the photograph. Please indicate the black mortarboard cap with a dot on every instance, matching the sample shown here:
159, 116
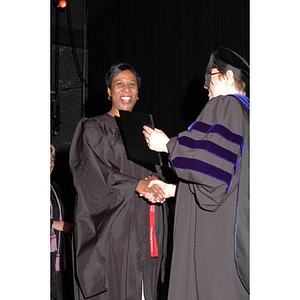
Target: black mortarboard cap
227, 59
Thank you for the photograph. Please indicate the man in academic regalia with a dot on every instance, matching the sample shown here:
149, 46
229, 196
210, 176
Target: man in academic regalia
211, 159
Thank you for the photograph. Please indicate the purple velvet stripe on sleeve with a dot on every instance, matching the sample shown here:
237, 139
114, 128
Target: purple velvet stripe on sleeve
219, 129
211, 148
202, 167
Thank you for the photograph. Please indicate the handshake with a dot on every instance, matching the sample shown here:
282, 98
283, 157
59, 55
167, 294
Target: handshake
155, 190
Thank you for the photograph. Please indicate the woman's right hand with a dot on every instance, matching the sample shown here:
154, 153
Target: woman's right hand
62, 226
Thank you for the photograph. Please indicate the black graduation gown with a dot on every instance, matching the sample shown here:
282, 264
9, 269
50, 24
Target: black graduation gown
111, 228
211, 230
57, 277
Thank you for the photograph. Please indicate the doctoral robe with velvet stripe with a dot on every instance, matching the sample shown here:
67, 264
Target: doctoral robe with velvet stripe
211, 238
111, 230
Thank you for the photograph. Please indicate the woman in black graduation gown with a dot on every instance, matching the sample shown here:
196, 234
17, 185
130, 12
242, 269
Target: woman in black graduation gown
58, 248
112, 248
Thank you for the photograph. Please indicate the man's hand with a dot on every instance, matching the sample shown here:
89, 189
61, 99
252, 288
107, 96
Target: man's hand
156, 139
154, 194
168, 189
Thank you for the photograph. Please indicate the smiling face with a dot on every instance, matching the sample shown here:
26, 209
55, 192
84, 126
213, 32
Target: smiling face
123, 92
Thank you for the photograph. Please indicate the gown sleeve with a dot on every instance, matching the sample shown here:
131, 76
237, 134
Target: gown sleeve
102, 190
207, 155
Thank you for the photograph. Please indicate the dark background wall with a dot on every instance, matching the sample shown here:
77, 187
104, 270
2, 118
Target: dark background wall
69, 62
168, 41
67, 30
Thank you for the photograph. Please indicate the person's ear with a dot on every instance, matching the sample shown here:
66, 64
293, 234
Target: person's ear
229, 78
109, 93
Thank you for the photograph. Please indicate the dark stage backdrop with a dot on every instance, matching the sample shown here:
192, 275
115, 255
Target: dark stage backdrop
169, 42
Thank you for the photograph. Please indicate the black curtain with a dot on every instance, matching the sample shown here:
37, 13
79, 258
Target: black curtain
169, 42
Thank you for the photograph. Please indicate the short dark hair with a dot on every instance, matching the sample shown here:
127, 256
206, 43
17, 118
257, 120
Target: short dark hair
240, 85
117, 68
